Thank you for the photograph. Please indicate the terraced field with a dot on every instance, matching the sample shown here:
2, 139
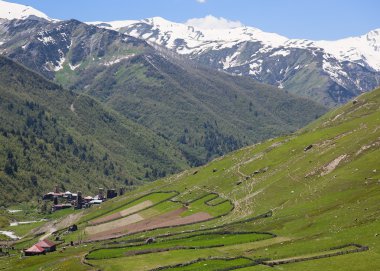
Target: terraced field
307, 201
153, 211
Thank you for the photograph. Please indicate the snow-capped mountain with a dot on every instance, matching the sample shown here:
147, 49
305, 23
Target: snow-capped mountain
363, 49
330, 72
10, 11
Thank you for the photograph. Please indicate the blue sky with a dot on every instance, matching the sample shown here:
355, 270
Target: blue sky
321, 19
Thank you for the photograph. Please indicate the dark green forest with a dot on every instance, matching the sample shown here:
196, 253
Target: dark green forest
49, 135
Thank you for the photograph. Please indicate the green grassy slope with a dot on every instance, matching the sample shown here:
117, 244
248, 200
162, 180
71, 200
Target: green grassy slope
319, 201
50, 135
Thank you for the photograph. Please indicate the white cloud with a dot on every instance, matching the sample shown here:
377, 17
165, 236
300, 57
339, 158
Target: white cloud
212, 22
201, 1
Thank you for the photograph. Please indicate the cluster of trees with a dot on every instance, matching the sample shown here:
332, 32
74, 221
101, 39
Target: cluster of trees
152, 173
210, 139
10, 167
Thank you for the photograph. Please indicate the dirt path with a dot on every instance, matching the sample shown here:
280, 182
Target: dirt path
52, 226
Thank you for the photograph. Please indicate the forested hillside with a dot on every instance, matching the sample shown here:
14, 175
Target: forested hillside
50, 135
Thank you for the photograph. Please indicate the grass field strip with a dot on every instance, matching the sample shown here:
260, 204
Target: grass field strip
202, 240
333, 252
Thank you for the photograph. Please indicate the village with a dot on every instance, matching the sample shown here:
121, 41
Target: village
65, 200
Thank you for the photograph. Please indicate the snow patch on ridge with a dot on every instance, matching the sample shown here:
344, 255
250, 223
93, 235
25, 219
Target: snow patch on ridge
231, 61
62, 59
117, 60
46, 40
281, 53
74, 67
60, 64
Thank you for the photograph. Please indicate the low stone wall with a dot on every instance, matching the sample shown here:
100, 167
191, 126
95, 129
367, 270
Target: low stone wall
254, 262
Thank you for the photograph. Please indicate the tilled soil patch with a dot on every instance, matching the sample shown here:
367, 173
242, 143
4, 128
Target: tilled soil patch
168, 219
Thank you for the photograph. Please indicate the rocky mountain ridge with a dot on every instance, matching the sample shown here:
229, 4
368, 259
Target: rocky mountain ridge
347, 67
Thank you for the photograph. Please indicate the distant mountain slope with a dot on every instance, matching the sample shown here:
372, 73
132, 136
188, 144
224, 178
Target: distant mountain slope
330, 72
205, 112
50, 135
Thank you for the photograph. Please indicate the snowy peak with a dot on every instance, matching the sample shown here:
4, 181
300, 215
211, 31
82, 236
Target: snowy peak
373, 36
362, 49
10, 11
193, 39
159, 21
348, 66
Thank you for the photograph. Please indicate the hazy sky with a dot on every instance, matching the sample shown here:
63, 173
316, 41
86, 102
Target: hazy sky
312, 19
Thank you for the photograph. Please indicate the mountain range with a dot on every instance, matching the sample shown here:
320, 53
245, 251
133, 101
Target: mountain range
329, 72
205, 112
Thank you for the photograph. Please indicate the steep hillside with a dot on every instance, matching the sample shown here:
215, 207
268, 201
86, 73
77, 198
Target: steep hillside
329, 72
307, 201
206, 113
50, 135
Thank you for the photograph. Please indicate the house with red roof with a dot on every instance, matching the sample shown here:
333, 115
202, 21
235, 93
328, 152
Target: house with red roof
48, 245
34, 250
41, 248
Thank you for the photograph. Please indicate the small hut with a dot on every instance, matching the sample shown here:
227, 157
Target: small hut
111, 193
34, 250
73, 227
